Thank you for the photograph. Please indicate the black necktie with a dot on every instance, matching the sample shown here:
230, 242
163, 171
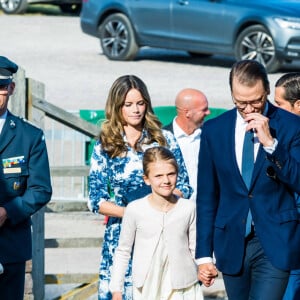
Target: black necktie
247, 169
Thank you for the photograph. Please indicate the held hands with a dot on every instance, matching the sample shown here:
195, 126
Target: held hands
207, 273
260, 124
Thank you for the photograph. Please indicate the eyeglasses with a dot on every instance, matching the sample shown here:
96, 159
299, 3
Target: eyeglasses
4, 87
254, 103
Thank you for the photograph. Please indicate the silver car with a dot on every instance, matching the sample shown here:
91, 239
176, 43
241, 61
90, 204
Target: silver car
264, 30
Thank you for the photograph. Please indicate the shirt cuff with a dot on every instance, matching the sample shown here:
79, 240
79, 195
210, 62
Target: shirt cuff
272, 148
204, 260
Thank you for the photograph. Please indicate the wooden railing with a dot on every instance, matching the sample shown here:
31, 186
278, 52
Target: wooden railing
29, 102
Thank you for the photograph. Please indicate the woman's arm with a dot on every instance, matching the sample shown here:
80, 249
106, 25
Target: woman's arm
99, 193
111, 209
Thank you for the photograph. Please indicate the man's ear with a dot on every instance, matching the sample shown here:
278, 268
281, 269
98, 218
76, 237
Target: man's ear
11, 88
146, 179
186, 112
297, 107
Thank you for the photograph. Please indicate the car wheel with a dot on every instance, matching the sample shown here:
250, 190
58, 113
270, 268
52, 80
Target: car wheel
255, 42
14, 6
117, 38
70, 8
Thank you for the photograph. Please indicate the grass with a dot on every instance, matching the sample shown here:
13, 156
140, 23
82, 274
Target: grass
45, 9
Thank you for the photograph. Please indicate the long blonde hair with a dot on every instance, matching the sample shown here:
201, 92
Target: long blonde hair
112, 131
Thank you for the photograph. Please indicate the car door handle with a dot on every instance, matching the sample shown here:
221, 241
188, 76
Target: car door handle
183, 2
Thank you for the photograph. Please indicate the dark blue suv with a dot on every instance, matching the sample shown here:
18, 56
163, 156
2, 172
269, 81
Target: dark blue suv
265, 30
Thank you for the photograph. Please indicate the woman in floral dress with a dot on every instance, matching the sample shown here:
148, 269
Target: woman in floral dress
116, 165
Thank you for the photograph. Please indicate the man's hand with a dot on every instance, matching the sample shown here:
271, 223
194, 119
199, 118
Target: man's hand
260, 124
207, 273
3, 216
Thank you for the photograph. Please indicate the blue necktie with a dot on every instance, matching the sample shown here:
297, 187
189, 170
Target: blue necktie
247, 169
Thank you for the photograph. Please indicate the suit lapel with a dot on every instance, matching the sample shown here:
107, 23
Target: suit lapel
231, 129
8, 132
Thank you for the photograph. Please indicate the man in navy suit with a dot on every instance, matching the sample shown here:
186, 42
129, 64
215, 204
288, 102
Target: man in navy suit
287, 96
255, 260
24, 183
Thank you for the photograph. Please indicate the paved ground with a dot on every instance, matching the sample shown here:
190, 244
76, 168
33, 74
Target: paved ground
84, 260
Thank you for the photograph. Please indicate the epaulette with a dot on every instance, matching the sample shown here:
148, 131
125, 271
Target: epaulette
28, 122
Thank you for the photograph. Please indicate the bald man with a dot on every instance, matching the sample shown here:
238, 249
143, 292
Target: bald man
192, 108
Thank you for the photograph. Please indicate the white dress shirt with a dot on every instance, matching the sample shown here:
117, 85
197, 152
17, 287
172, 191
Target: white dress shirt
189, 146
2, 121
240, 129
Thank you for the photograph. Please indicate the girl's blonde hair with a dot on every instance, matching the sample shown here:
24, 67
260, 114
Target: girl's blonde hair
155, 154
112, 131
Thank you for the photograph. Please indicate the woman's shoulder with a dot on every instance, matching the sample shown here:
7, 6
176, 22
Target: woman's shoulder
97, 148
169, 136
167, 133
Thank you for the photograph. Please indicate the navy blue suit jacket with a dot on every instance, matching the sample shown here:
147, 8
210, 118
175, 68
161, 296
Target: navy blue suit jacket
223, 199
24, 183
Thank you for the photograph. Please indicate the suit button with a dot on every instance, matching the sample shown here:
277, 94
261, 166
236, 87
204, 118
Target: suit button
250, 196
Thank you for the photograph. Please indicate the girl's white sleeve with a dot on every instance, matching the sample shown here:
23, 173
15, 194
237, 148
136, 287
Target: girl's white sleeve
124, 249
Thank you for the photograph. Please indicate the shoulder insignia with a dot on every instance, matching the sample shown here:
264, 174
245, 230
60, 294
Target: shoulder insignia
29, 122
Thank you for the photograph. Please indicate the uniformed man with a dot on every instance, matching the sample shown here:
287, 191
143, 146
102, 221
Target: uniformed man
25, 187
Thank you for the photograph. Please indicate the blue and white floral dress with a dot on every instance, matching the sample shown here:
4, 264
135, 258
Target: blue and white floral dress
120, 176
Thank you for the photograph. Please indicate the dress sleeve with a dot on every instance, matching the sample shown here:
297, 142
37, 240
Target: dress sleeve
183, 178
98, 179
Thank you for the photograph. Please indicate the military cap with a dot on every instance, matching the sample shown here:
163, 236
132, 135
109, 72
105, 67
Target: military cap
7, 69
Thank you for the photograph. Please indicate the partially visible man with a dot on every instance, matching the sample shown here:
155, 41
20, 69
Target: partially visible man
249, 170
24, 183
287, 96
192, 108
287, 92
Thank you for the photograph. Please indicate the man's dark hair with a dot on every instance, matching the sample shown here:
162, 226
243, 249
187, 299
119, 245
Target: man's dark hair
291, 84
248, 72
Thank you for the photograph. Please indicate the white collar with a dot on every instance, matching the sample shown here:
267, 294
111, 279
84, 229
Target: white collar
178, 132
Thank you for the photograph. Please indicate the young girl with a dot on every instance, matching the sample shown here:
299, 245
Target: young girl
161, 230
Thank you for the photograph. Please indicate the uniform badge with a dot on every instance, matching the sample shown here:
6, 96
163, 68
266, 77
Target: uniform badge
16, 185
12, 124
13, 161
